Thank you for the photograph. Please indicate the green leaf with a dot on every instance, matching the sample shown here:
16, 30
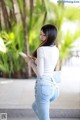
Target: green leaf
3, 68
72, 13
20, 4
9, 3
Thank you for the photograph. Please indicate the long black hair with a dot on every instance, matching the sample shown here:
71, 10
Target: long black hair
51, 33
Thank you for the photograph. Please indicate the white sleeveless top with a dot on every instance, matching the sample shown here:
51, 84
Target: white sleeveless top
47, 57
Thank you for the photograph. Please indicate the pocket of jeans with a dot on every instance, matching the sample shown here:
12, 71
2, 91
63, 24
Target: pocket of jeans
46, 90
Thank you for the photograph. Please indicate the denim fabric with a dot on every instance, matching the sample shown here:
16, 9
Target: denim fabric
46, 91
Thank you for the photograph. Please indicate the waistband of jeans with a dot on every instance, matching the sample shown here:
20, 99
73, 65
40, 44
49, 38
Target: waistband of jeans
46, 77
49, 78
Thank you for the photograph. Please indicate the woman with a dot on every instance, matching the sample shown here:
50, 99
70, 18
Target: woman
47, 56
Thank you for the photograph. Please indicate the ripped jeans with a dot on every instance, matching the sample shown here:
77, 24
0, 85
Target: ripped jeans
45, 92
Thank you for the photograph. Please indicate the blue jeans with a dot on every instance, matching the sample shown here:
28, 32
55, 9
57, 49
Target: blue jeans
45, 92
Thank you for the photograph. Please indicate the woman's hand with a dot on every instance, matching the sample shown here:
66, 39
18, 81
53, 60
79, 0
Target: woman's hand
28, 58
34, 58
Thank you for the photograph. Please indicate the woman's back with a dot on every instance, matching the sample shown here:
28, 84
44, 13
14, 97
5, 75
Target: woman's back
47, 58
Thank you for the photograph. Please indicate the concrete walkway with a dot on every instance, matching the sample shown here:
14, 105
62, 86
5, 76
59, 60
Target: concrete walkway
19, 94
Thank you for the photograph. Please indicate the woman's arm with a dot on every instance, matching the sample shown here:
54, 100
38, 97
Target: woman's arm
37, 64
34, 66
32, 61
40, 62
